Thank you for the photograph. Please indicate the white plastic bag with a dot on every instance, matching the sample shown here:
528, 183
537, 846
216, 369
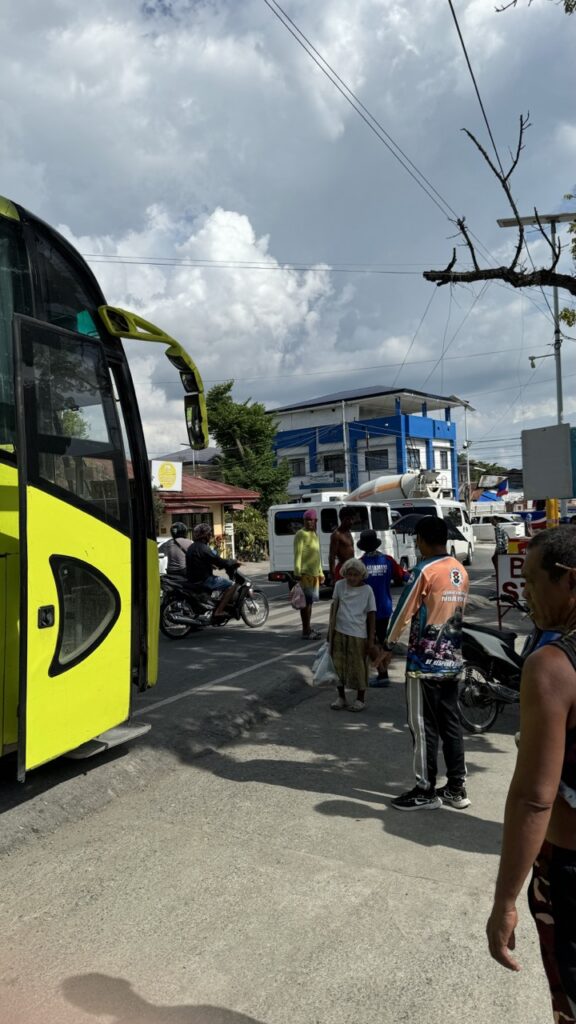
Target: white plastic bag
323, 671
297, 598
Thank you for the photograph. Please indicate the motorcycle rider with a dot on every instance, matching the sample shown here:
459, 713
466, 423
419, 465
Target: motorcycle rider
175, 550
201, 560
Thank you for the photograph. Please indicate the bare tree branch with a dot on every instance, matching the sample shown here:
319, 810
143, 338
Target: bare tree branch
504, 179
506, 7
545, 277
524, 124
452, 263
515, 274
461, 222
556, 248
569, 5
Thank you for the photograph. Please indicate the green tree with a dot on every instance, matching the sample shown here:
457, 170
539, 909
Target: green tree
73, 423
245, 433
158, 507
251, 531
480, 468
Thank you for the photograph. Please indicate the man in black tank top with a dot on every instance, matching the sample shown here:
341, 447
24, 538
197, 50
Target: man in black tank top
540, 817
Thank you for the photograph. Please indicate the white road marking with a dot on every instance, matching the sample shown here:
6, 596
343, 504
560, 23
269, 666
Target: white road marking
206, 687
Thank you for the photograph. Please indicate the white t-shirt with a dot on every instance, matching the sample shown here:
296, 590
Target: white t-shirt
354, 603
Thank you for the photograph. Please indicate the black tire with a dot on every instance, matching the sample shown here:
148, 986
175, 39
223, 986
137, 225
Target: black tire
175, 630
468, 559
476, 708
255, 609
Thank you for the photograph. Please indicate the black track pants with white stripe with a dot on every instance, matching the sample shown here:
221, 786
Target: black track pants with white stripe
433, 716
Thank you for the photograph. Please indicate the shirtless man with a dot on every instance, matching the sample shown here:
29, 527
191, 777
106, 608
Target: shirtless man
540, 816
341, 544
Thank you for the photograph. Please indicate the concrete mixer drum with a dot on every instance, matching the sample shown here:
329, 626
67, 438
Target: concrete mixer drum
391, 487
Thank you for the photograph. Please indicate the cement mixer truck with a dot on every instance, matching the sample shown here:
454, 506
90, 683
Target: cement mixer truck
387, 488
419, 493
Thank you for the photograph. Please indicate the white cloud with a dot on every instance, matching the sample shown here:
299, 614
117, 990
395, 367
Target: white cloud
235, 321
202, 131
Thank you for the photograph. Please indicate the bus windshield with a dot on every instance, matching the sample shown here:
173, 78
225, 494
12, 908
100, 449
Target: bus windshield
14, 298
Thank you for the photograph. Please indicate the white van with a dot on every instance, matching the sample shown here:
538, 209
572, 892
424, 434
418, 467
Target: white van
483, 526
453, 511
285, 520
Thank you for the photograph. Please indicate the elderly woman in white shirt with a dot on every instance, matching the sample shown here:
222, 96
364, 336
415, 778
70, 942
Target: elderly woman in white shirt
352, 633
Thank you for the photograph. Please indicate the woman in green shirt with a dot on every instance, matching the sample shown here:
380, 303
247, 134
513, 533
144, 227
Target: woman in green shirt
308, 569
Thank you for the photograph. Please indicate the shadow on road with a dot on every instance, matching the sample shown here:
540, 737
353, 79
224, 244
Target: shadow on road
42, 780
363, 761
101, 995
460, 831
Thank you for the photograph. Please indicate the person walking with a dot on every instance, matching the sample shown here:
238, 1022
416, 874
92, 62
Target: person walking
308, 569
433, 602
383, 570
341, 544
501, 540
540, 817
352, 633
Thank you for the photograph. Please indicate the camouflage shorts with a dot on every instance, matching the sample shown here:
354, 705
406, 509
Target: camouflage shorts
552, 900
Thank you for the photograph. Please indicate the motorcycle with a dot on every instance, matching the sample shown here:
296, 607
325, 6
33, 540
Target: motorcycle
492, 671
186, 607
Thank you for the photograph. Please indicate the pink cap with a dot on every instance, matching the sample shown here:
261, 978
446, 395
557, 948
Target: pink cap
310, 513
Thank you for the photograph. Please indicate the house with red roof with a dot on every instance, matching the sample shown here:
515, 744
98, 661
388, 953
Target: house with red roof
204, 501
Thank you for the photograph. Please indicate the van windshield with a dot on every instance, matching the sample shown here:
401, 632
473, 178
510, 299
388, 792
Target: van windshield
421, 510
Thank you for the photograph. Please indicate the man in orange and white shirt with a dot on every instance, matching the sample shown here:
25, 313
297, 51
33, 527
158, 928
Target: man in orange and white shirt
433, 603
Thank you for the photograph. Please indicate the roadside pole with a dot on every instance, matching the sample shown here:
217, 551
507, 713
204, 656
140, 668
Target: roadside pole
552, 219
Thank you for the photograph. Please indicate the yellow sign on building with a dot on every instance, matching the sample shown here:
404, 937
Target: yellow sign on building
167, 476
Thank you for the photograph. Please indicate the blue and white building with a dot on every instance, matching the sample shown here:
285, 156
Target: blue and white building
346, 438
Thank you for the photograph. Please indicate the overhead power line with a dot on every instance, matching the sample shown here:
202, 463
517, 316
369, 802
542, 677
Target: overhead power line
362, 111
129, 261
355, 369
373, 123
475, 84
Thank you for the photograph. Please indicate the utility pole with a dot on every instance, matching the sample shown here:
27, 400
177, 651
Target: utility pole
552, 219
346, 454
467, 446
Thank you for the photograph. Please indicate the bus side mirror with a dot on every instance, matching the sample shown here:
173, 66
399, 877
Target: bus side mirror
196, 420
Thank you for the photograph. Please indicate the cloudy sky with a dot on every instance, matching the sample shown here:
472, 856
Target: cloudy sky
224, 189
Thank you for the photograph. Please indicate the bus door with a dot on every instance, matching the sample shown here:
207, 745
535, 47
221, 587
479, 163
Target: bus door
75, 550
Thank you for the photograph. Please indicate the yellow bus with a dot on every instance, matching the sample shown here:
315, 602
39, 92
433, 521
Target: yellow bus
79, 582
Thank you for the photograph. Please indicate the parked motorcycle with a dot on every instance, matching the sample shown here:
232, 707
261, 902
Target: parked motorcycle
492, 670
190, 606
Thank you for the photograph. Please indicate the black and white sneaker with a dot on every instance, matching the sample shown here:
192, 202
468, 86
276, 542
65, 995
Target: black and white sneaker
417, 799
457, 798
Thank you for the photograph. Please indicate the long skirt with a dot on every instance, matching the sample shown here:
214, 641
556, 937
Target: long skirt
350, 657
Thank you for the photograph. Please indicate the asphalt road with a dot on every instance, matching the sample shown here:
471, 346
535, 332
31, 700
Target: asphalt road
219, 657
267, 881
214, 686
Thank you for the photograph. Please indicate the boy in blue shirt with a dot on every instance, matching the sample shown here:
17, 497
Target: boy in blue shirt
383, 570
